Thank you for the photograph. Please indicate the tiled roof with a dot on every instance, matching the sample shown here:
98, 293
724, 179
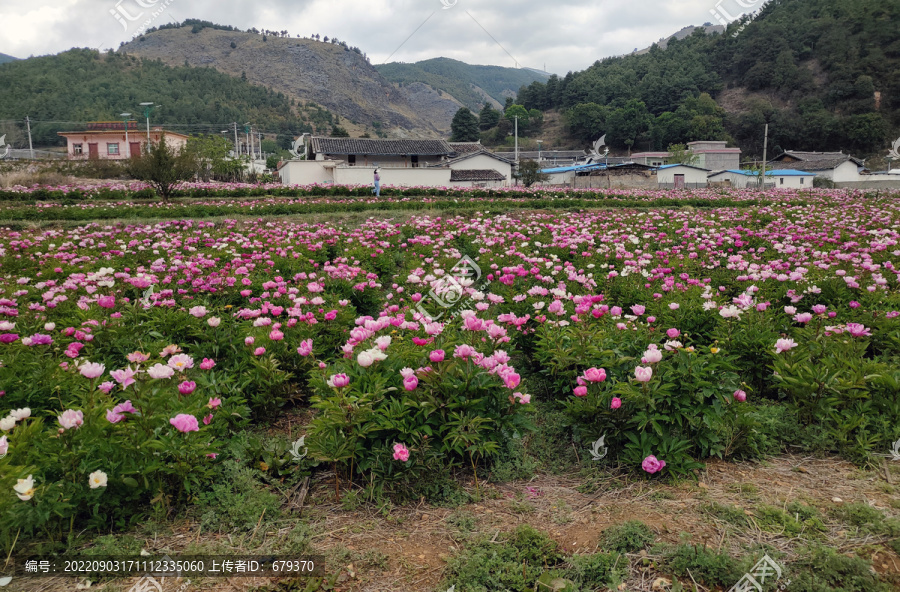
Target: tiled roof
476, 175
814, 161
463, 148
379, 147
494, 155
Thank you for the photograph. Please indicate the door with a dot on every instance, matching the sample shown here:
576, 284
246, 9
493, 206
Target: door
135, 148
93, 150
679, 181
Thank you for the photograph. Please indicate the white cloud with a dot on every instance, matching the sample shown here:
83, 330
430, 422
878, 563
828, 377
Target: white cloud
564, 36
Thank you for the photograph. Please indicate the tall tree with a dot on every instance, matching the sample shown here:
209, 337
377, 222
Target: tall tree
464, 126
488, 118
163, 167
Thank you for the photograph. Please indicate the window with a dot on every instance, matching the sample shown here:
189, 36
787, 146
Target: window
415, 160
781, 180
77, 148
802, 179
112, 149
351, 160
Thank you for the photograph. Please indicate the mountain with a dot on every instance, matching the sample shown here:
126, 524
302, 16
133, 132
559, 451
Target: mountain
824, 74
6, 58
707, 28
82, 85
470, 85
332, 75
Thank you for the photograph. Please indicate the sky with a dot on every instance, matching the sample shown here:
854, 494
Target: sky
558, 36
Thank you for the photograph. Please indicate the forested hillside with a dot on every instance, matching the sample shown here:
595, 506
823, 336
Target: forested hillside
81, 85
469, 84
825, 75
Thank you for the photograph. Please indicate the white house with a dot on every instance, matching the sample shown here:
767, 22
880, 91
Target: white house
835, 166
472, 156
681, 176
783, 179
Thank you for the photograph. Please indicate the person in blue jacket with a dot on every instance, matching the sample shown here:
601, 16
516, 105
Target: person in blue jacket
377, 190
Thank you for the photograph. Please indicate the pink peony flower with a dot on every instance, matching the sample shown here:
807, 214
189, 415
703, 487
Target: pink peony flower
673, 333
410, 383
436, 355
854, 304
783, 345
185, 423
187, 387
595, 374
181, 362
615, 403
71, 419
638, 309
643, 373
107, 386
464, 351
651, 356
4, 446
113, 417
803, 317
138, 357
124, 377
306, 347
580, 391
208, 419
125, 407
158, 371
259, 351
207, 364
276, 335
652, 465
249, 340
107, 301
91, 369
511, 380
8, 337
740, 395
401, 452
214, 402
198, 311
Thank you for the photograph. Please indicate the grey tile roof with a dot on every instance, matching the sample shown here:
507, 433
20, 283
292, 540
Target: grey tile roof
813, 161
476, 175
379, 147
463, 148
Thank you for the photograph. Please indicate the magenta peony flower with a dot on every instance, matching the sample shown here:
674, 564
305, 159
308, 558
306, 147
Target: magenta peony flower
259, 351
185, 423
615, 403
187, 387
511, 380
8, 337
113, 417
276, 335
214, 402
125, 407
436, 355
306, 347
401, 452
208, 419
410, 383
652, 465
464, 351
107, 301
673, 333
740, 395
581, 391
207, 364
338, 381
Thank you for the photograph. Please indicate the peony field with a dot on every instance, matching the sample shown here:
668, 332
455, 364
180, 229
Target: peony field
468, 390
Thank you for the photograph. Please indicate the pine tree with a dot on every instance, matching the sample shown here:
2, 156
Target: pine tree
464, 126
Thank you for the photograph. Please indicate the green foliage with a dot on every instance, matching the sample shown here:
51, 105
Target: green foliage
339, 132
488, 117
826, 570
627, 537
679, 154
530, 173
464, 126
705, 565
514, 564
165, 167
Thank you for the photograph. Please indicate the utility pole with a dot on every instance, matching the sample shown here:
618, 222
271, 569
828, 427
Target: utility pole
235, 140
259, 143
517, 148
30, 147
765, 147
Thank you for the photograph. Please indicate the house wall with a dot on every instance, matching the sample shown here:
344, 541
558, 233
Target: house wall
486, 184
115, 137
692, 177
792, 182
411, 177
846, 172
482, 162
872, 182
566, 178
629, 180
719, 161
305, 172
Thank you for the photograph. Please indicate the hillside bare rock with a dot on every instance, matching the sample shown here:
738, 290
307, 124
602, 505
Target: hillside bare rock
327, 74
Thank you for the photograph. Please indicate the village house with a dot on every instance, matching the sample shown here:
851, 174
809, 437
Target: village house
106, 140
681, 176
777, 179
834, 166
402, 163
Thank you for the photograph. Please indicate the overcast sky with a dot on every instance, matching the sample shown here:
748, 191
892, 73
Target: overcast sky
564, 35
